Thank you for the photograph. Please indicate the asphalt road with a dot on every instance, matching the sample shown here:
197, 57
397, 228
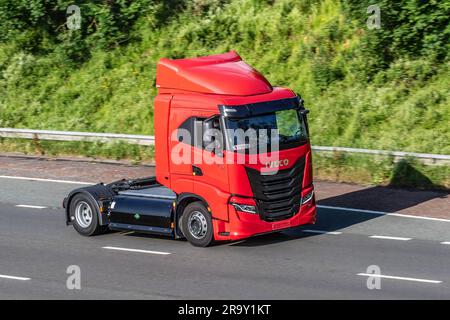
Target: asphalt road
36, 248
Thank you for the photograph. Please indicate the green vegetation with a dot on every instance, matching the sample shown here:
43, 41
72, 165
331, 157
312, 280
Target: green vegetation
384, 88
380, 170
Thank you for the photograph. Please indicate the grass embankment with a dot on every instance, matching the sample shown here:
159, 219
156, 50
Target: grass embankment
382, 89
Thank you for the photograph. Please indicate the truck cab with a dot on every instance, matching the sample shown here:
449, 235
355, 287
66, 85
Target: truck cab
233, 157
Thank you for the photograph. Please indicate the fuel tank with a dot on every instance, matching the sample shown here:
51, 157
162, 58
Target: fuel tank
146, 210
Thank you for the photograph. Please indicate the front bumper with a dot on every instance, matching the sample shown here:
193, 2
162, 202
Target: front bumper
244, 225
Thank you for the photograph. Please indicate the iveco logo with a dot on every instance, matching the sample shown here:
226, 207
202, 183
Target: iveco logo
277, 163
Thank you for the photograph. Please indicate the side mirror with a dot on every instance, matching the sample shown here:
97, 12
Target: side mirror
212, 136
304, 111
207, 127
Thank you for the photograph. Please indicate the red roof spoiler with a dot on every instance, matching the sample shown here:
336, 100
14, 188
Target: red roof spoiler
225, 74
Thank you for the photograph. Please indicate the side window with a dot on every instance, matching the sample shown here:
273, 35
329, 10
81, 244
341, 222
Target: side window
203, 133
185, 131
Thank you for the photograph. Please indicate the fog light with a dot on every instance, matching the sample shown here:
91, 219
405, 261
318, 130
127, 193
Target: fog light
307, 197
244, 207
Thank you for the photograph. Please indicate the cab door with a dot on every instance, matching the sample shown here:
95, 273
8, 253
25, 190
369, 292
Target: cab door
209, 168
180, 146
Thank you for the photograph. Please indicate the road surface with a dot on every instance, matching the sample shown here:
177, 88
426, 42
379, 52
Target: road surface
328, 260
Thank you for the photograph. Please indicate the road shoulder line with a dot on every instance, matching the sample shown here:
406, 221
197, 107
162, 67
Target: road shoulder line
46, 180
382, 213
398, 278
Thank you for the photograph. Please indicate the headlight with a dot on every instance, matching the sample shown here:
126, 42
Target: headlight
307, 197
244, 207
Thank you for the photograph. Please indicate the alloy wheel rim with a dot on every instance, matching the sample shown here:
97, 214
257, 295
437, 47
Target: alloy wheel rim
197, 224
83, 214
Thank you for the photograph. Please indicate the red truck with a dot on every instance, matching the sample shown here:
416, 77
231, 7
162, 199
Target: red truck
246, 184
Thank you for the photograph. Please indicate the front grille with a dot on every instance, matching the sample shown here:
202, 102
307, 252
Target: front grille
278, 196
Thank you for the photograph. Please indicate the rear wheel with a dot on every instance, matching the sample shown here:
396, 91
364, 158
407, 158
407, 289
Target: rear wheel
197, 225
84, 216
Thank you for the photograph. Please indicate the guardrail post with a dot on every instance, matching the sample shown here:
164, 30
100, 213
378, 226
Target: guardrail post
37, 144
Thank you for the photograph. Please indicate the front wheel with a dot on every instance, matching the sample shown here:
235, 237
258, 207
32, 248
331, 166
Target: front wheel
197, 225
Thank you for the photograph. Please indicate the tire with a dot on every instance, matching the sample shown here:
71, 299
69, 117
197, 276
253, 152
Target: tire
197, 225
84, 216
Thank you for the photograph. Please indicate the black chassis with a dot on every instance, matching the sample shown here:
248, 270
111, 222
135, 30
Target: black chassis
135, 205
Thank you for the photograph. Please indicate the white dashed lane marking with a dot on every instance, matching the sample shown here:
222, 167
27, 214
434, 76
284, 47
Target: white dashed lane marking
126, 233
4, 276
322, 231
136, 250
390, 238
30, 206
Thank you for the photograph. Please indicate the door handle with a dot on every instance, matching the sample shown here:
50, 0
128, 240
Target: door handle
196, 171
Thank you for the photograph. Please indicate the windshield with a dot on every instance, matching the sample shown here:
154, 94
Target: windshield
280, 129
